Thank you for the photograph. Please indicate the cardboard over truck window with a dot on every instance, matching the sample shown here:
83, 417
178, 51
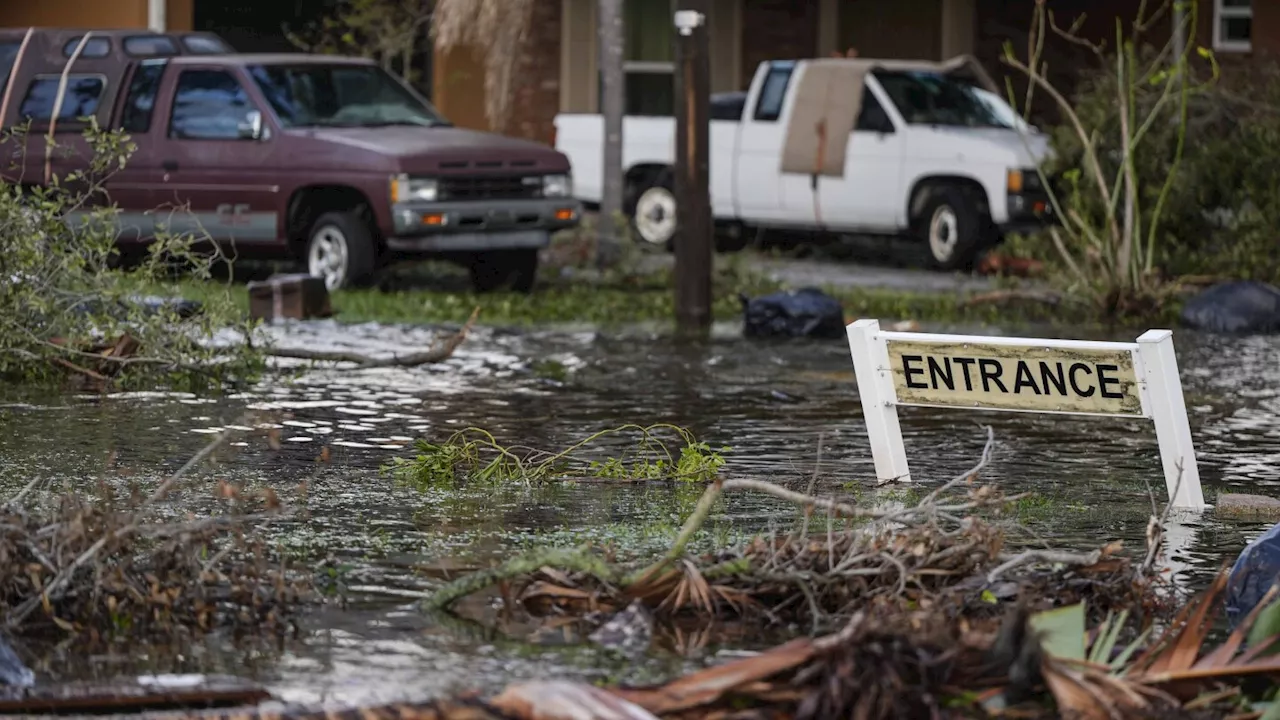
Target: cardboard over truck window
828, 98
1070, 377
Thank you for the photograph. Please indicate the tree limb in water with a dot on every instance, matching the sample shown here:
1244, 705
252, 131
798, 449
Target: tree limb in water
436, 354
1000, 296
558, 558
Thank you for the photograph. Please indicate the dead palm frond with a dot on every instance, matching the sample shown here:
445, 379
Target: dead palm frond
498, 30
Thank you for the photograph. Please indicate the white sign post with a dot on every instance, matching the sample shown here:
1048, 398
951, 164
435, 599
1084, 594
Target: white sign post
1069, 377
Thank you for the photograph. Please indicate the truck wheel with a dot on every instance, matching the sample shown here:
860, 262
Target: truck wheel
497, 269
524, 269
341, 251
951, 226
653, 216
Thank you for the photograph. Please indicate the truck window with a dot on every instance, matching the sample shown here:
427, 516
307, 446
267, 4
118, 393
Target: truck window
774, 92
872, 117
339, 95
8, 53
928, 98
140, 101
94, 47
208, 105
150, 46
80, 99
205, 45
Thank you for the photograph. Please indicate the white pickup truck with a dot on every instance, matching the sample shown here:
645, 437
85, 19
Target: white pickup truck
845, 146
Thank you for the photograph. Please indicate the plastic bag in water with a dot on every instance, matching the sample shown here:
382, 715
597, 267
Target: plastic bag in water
1255, 571
1235, 307
808, 312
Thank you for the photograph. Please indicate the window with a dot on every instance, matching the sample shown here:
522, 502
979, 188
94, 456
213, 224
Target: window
208, 105
928, 98
1233, 25
150, 46
339, 96
80, 99
204, 45
648, 62
774, 91
94, 47
8, 53
872, 117
140, 101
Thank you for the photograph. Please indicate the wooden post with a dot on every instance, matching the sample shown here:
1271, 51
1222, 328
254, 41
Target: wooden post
693, 239
612, 96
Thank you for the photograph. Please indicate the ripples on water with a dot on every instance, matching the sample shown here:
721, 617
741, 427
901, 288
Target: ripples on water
770, 402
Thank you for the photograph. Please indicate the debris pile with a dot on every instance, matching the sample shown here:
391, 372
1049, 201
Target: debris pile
102, 563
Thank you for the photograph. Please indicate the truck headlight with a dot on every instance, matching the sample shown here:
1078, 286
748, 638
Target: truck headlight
557, 186
407, 189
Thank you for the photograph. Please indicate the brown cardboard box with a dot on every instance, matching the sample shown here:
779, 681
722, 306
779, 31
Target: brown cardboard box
298, 296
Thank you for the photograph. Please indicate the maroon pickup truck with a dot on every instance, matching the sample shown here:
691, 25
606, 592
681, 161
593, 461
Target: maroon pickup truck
330, 161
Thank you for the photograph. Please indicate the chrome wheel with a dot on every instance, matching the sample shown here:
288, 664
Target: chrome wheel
656, 216
327, 256
944, 233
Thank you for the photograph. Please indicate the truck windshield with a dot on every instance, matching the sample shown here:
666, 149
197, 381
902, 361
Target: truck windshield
926, 98
311, 95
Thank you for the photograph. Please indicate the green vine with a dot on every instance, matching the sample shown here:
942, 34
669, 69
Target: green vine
475, 456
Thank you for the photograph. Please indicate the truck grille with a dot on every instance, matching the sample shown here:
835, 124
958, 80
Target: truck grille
491, 188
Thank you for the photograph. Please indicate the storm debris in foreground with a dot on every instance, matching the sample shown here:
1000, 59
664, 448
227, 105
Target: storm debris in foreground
104, 565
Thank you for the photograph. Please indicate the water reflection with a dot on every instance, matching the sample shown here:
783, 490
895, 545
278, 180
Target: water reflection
769, 401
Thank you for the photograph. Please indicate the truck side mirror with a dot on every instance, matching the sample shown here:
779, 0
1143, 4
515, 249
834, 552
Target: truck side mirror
251, 128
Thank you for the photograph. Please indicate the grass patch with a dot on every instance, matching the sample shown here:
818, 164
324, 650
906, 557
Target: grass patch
613, 304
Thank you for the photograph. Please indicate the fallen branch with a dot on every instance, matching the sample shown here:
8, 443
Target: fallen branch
1000, 296
576, 560
436, 354
1043, 556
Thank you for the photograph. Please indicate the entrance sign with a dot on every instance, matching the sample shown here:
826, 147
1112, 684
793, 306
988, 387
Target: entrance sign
1071, 377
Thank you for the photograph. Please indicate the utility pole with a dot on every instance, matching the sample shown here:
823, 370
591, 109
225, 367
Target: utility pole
612, 92
694, 243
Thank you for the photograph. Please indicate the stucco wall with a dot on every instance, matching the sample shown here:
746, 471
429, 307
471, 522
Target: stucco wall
91, 13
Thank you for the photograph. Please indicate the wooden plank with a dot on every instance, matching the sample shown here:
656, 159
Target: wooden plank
160, 692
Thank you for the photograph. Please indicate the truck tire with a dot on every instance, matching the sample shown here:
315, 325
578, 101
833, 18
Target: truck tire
951, 225
341, 251
497, 269
653, 211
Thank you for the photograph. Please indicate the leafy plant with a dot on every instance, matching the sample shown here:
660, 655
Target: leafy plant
1147, 677
65, 306
1111, 213
388, 31
476, 455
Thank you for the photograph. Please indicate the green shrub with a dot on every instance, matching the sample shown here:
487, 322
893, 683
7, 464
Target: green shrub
61, 296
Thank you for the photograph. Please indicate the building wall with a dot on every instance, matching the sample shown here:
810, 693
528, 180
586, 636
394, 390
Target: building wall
1000, 21
773, 29
891, 29
90, 13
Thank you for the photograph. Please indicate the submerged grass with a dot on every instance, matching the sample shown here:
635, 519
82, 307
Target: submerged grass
474, 455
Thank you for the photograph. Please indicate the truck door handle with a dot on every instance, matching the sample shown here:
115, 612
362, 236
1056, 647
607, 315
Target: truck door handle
169, 165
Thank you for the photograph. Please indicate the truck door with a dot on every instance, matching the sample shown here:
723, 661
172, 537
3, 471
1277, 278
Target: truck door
133, 189
870, 197
215, 159
763, 192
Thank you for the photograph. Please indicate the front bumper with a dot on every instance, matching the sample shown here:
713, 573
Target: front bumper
1028, 212
477, 226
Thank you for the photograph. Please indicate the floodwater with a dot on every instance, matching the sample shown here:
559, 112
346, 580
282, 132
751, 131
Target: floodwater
771, 402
